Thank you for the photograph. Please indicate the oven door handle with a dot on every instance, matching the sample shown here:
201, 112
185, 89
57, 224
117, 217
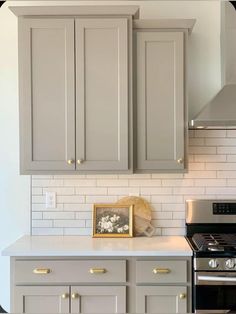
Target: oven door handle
216, 278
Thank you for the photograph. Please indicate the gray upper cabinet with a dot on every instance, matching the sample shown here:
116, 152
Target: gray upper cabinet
102, 94
46, 86
160, 97
75, 88
160, 100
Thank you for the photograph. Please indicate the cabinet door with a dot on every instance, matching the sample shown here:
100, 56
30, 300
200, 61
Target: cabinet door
98, 299
160, 100
47, 105
32, 299
161, 299
102, 94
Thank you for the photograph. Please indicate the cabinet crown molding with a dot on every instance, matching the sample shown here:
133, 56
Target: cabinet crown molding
79, 10
165, 24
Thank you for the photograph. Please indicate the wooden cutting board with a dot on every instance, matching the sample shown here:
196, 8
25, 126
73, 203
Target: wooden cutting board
142, 212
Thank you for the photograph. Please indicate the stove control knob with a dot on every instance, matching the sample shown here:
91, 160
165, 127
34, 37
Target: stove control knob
230, 263
213, 263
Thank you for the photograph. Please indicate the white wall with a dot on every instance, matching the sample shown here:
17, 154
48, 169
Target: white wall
14, 189
204, 81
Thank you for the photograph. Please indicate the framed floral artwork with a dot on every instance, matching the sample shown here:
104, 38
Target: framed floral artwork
111, 220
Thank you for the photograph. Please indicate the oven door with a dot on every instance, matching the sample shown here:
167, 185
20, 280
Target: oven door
214, 292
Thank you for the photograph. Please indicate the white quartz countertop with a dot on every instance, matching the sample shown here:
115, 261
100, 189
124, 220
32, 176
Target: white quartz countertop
88, 246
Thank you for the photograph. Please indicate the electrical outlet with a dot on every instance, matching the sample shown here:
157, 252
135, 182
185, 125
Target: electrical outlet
50, 199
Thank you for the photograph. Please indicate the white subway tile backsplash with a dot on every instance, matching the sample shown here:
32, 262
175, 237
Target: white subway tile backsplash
220, 141
48, 231
46, 182
37, 215
78, 207
210, 133
123, 191
91, 190
59, 215
210, 158
79, 182
140, 183
202, 150
210, 182
83, 215
226, 150
69, 223
78, 231
156, 191
188, 190
60, 191
112, 182
42, 223
211, 175
178, 182
74, 199
101, 199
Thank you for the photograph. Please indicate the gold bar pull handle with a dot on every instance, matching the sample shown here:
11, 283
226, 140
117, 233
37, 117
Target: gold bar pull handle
161, 271
42, 271
97, 270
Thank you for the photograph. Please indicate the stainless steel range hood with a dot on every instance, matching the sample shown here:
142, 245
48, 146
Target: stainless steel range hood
220, 112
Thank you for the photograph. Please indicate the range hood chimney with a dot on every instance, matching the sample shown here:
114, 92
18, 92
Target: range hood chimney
220, 112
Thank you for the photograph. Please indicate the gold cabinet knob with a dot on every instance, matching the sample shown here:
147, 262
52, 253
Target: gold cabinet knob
65, 295
42, 271
182, 295
161, 270
97, 270
80, 161
180, 160
70, 161
74, 295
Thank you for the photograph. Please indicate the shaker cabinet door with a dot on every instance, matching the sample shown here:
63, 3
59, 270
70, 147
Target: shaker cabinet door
160, 100
36, 299
102, 94
98, 299
46, 67
162, 299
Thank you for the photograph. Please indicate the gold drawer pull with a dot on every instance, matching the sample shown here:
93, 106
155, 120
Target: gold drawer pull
97, 270
42, 271
65, 295
74, 295
161, 270
182, 295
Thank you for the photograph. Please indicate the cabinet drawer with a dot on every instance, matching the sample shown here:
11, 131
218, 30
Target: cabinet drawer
161, 271
91, 271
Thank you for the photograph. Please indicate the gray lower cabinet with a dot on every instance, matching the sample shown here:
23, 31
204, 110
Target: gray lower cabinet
74, 94
161, 299
160, 100
75, 299
41, 299
98, 299
100, 285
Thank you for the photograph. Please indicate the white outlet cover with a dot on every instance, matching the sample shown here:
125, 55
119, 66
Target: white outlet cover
50, 199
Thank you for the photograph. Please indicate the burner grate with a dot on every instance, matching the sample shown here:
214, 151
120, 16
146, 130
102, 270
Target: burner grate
215, 241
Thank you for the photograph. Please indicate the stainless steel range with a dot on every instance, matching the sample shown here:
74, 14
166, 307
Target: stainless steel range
211, 232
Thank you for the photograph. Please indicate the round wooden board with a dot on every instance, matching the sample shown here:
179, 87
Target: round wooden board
142, 212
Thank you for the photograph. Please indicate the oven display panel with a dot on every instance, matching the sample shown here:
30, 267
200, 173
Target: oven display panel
224, 208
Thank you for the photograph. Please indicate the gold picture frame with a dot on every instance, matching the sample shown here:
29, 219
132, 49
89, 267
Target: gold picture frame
112, 221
